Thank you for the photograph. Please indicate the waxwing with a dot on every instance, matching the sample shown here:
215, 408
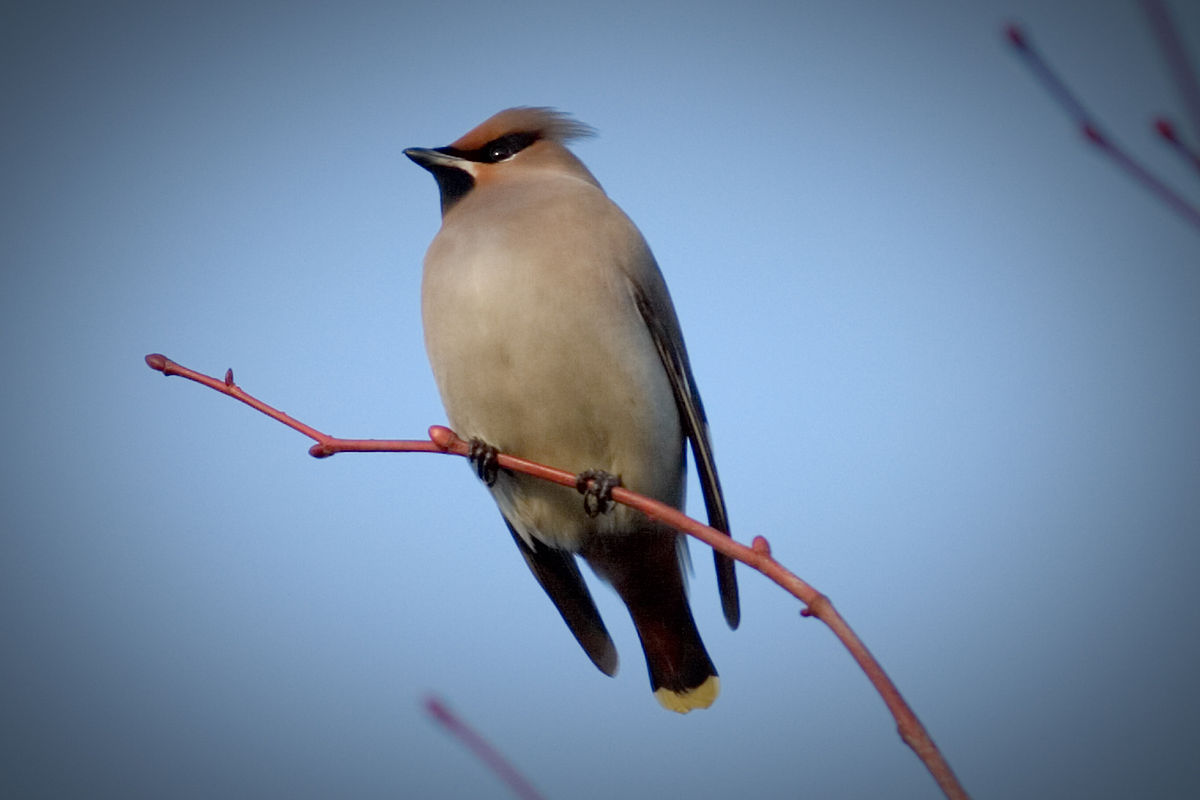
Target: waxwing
552, 337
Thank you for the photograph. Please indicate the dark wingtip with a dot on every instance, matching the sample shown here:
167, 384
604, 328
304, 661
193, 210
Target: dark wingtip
733, 613
606, 659
727, 585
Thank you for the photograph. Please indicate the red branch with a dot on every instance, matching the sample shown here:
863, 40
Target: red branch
1167, 132
482, 748
1091, 129
1176, 55
758, 556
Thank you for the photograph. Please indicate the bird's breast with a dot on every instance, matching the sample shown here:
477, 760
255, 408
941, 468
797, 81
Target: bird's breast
539, 349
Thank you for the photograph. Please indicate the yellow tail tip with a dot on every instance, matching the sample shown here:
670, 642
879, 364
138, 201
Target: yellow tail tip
683, 702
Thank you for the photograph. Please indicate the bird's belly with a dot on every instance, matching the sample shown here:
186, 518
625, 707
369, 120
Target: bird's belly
557, 367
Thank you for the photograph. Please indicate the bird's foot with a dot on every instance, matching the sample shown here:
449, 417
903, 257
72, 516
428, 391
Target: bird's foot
483, 459
596, 486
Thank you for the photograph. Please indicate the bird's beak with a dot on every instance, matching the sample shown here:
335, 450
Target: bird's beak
432, 159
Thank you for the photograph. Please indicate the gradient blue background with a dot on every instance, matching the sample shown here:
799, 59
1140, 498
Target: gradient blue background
949, 354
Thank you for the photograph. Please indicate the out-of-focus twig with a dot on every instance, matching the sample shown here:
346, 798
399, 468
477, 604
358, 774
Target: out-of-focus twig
1091, 130
1178, 62
482, 749
1168, 133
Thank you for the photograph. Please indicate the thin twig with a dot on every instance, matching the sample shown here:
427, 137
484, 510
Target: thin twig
325, 445
758, 556
1167, 132
483, 749
1178, 61
1091, 130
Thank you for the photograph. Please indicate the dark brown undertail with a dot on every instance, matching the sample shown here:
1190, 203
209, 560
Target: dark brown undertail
644, 567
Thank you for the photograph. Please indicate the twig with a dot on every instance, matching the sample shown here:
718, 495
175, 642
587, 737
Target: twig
758, 556
1166, 131
1178, 62
1091, 130
325, 445
482, 748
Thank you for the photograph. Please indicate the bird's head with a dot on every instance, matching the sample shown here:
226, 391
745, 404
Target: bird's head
513, 143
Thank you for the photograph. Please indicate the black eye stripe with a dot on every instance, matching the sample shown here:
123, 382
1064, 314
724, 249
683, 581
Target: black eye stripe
499, 149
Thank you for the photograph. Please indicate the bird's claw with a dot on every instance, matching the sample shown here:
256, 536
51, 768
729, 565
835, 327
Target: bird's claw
483, 459
596, 486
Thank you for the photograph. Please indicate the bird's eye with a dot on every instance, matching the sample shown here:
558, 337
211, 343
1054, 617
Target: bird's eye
500, 150
508, 146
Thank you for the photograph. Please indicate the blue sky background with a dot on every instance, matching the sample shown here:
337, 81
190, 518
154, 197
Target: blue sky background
949, 354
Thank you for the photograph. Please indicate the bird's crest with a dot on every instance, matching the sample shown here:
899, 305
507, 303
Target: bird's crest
545, 123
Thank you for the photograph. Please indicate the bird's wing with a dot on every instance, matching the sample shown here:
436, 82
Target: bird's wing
559, 575
668, 340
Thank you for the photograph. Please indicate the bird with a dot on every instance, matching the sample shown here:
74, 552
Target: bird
552, 336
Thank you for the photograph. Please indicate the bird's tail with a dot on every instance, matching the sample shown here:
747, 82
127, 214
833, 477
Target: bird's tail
644, 567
